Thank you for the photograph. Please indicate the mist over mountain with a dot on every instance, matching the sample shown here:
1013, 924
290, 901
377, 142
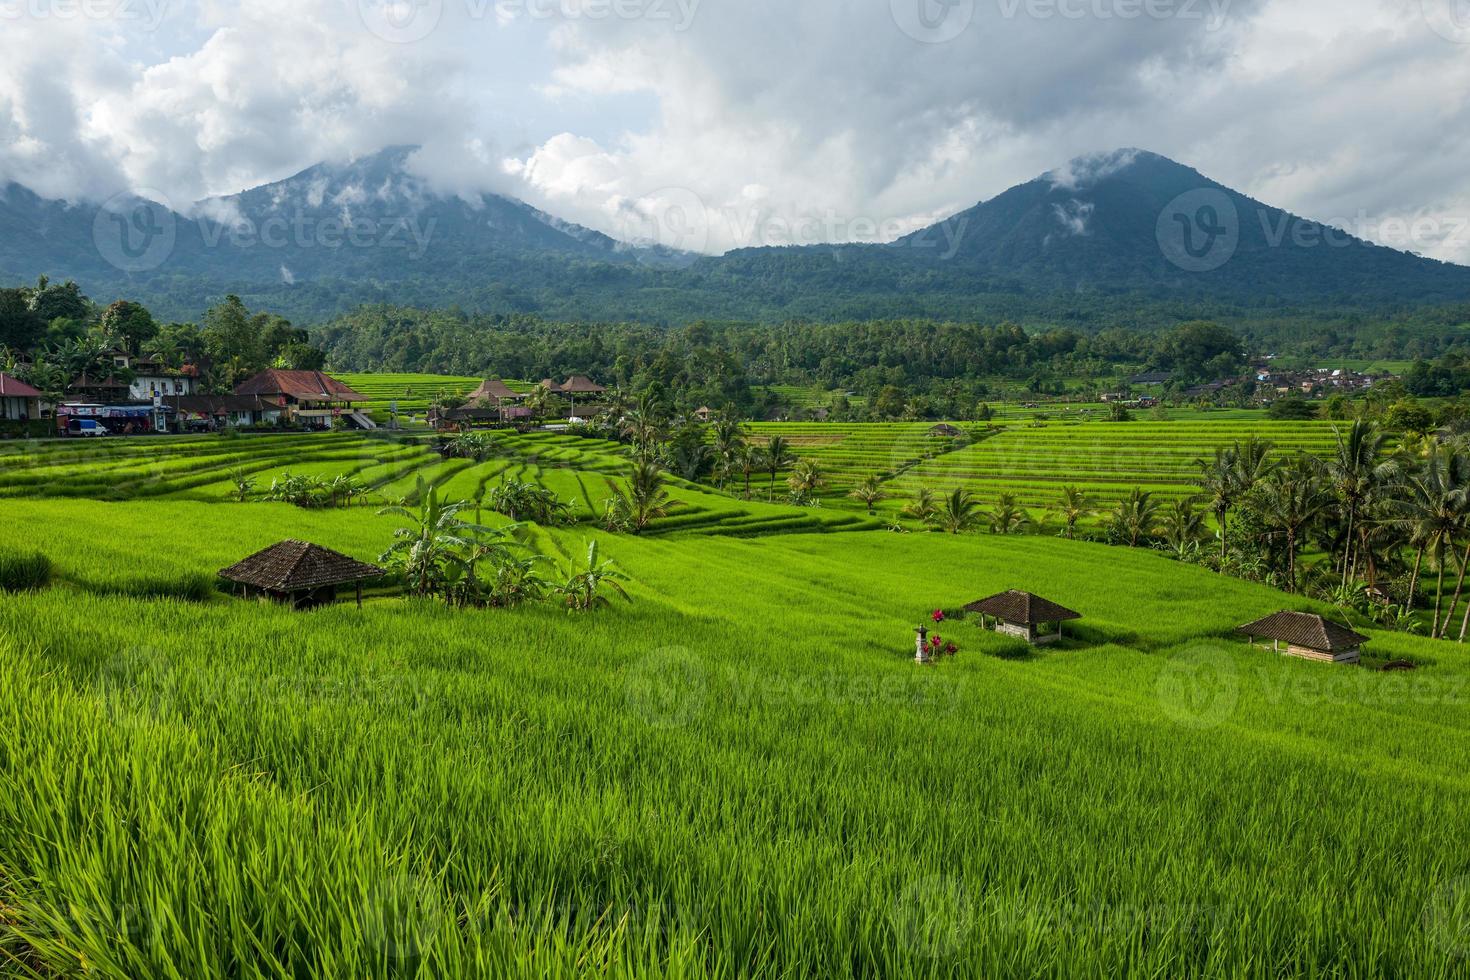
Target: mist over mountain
1112, 232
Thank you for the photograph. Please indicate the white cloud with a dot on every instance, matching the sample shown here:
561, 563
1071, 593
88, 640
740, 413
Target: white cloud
819, 120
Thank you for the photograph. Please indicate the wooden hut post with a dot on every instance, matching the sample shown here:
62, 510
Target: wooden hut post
359, 595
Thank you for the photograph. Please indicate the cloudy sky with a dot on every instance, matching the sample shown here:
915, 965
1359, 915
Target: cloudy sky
775, 119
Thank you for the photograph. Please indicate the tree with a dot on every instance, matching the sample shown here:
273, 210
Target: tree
805, 479
1183, 524
729, 439
890, 402
1357, 476
1136, 515
231, 335
20, 327
751, 460
1409, 417
643, 502
1432, 508
870, 492
1290, 499
434, 540
959, 512
777, 455
1008, 517
921, 507
129, 325
1073, 507
585, 587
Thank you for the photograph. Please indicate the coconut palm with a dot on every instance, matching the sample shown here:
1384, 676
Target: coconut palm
777, 455
959, 512
1432, 508
1072, 506
1357, 475
750, 460
1182, 524
643, 502
1136, 515
1008, 517
1218, 481
729, 438
921, 507
1291, 498
871, 493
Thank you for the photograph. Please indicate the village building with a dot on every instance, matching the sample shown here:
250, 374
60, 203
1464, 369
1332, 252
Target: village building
576, 387
308, 398
154, 379
99, 391
1025, 616
19, 402
219, 411
1308, 636
301, 574
502, 402
945, 430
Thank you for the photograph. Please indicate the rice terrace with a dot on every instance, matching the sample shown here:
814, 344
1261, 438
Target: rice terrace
739, 489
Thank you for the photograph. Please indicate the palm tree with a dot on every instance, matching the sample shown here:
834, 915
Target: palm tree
777, 455
646, 424
1008, 517
922, 507
437, 534
1183, 524
1072, 506
1433, 510
1357, 476
1136, 515
729, 438
644, 501
1217, 480
806, 479
749, 459
960, 512
1292, 498
871, 493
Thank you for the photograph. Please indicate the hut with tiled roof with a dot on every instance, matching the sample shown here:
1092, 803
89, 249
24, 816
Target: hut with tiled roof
302, 574
1309, 636
309, 397
1023, 615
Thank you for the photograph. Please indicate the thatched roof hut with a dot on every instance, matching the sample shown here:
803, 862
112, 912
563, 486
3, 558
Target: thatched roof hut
1309, 636
300, 573
580, 384
946, 430
1023, 615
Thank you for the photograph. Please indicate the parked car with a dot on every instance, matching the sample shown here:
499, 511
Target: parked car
85, 427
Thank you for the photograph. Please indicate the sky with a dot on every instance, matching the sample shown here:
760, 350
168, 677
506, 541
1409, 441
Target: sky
716, 124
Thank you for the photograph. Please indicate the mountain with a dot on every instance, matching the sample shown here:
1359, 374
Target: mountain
1125, 237
1133, 220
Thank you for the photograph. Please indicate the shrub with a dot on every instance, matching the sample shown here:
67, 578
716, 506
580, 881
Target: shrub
23, 570
184, 586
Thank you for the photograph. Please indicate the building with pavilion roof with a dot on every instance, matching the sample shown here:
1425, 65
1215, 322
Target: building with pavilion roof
308, 397
1023, 615
1309, 636
302, 574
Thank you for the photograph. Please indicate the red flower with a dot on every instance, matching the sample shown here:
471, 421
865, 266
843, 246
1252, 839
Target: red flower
935, 642
951, 649
939, 615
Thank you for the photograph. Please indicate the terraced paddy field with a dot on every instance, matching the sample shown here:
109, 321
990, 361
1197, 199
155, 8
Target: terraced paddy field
1106, 459
741, 773
414, 393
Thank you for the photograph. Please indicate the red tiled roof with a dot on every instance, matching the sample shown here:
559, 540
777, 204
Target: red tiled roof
301, 385
14, 388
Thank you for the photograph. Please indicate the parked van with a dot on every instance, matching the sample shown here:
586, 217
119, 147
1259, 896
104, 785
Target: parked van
85, 427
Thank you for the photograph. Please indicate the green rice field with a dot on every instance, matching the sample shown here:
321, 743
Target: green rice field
739, 773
